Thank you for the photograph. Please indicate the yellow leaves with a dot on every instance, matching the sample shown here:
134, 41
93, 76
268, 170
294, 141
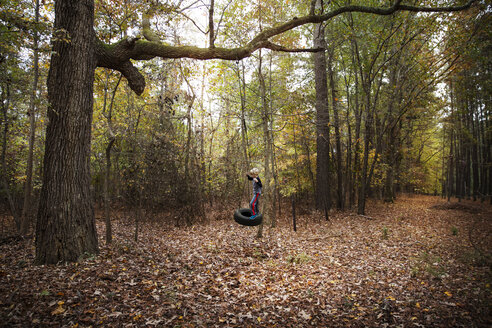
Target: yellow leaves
448, 294
391, 298
59, 309
417, 305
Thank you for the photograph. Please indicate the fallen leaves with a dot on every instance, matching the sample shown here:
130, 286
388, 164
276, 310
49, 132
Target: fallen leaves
59, 309
336, 273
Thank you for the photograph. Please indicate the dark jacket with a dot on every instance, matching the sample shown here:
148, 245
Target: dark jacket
257, 186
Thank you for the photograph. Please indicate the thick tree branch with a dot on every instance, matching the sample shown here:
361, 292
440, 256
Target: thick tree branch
118, 55
316, 19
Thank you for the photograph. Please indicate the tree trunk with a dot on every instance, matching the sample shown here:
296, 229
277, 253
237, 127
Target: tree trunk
27, 207
323, 195
358, 124
244, 127
5, 183
266, 192
107, 176
65, 227
107, 198
334, 101
294, 224
361, 205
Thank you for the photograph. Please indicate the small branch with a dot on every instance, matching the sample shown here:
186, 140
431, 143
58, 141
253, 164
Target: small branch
147, 31
276, 47
211, 24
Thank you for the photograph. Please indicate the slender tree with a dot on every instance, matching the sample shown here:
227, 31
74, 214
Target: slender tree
27, 207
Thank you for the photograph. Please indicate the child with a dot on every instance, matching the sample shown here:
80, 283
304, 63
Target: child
253, 175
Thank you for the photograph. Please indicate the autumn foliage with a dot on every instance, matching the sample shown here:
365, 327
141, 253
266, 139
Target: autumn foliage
421, 261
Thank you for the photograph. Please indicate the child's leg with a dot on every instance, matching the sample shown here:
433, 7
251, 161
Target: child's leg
254, 204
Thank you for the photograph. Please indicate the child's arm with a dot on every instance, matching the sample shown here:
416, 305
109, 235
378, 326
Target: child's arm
258, 181
249, 178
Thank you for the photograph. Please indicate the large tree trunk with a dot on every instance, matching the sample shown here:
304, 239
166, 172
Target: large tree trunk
65, 222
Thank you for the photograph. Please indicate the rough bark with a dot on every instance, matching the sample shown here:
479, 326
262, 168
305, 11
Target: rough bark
65, 221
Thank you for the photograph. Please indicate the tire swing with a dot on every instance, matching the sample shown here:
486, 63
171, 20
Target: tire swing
243, 216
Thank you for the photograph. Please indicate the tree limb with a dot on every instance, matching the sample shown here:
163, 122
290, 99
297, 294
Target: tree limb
117, 56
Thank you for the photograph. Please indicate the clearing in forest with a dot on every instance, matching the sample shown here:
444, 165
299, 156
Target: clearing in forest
418, 262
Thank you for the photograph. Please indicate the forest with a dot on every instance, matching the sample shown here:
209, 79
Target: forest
129, 134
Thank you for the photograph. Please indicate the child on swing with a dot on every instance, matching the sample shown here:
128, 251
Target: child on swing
253, 205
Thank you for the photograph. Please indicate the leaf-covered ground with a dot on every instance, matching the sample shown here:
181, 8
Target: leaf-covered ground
419, 262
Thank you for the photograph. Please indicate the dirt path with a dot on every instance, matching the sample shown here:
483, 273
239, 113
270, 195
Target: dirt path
419, 262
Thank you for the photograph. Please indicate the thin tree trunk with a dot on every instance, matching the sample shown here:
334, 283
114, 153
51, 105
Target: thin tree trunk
107, 176
27, 207
244, 127
334, 101
348, 159
266, 192
271, 149
323, 192
358, 124
107, 210
293, 200
5, 183
365, 163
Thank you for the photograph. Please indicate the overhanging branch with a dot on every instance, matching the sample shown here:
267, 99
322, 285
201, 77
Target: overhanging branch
117, 56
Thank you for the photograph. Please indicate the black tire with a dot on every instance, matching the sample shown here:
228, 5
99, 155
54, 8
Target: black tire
243, 216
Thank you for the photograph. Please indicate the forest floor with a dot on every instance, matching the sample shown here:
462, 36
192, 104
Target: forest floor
418, 262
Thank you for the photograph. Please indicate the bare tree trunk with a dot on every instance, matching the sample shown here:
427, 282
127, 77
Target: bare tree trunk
305, 142
358, 124
5, 183
266, 192
294, 223
107, 175
334, 101
323, 191
271, 146
244, 127
26, 215
365, 161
